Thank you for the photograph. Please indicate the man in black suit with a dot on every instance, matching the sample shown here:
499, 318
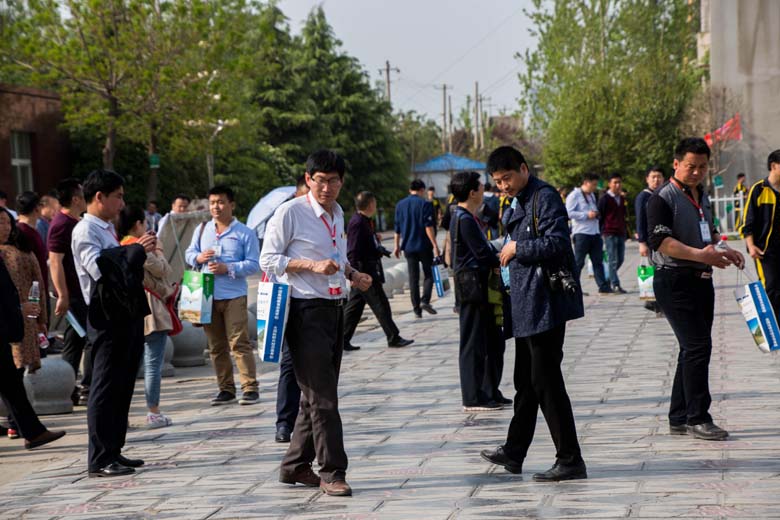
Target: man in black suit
365, 254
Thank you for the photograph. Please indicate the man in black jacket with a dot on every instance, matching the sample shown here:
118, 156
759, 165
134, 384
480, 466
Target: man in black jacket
365, 255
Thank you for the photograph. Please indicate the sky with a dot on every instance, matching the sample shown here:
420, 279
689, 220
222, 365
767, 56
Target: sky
432, 42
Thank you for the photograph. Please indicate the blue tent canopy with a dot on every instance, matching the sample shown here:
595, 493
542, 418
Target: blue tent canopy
448, 163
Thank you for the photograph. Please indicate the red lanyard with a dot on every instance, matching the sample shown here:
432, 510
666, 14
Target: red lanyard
693, 201
331, 232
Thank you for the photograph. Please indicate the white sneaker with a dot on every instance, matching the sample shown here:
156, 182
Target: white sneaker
157, 420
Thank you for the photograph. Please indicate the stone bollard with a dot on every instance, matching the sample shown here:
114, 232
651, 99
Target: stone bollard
188, 346
388, 285
49, 388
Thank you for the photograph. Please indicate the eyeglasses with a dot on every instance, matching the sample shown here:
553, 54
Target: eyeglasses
332, 182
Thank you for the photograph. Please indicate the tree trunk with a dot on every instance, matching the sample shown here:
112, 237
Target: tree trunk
109, 150
151, 185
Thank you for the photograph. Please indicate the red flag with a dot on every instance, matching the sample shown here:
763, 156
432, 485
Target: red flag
730, 131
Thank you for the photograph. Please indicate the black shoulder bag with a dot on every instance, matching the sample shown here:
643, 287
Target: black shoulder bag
468, 282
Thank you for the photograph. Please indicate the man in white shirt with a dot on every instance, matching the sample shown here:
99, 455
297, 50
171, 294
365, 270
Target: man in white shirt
116, 354
305, 240
582, 206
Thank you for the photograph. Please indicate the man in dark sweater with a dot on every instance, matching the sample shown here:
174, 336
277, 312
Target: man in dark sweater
654, 178
365, 255
612, 210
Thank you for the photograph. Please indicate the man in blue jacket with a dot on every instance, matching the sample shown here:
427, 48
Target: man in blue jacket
544, 295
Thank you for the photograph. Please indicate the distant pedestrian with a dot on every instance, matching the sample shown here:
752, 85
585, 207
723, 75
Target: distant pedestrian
741, 194
29, 205
365, 254
437, 210
305, 241
415, 236
475, 261
4, 204
614, 228
180, 204
544, 296
761, 229
583, 211
49, 208
654, 178
683, 237
153, 217
230, 251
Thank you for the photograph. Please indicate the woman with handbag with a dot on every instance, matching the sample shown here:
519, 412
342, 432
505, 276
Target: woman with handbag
475, 261
158, 324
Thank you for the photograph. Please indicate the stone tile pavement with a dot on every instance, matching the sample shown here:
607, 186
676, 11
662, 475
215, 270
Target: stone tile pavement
415, 454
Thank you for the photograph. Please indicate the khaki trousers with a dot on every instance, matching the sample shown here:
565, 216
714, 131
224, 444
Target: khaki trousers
228, 333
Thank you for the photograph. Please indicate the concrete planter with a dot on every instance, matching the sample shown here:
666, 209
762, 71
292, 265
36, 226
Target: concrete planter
49, 388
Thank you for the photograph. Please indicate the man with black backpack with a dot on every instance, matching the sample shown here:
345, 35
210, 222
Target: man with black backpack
544, 295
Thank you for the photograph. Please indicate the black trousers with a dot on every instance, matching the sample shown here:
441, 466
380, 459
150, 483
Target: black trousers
377, 299
76, 346
768, 270
413, 261
539, 384
15, 397
116, 354
590, 246
688, 302
288, 393
315, 334
481, 357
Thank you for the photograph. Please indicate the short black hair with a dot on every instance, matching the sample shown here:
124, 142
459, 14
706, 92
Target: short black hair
614, 176
505, 158
589, 177
152, 202
300, 182
16, 239
27, 202
416, 185
3, 195
104, 181
325, 161
182, 196
774, 157
741, 175
463, 183
127, 219
654, 168
363, 200
221, 189
694, 145
66, 190
431, 188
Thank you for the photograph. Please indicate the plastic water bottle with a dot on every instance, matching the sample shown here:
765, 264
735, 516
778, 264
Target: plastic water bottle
43, 341
34, 297
723, 244
334, 280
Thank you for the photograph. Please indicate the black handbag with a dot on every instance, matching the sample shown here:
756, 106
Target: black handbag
469, 286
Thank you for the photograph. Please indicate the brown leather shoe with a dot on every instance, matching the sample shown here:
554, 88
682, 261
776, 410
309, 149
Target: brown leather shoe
305, 476
44, 438
337, 488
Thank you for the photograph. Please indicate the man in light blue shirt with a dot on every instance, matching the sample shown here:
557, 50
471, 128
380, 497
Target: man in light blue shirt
582, 206
231, 251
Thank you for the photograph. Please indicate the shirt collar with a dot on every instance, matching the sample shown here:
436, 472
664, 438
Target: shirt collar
89, 217
319, 210
230, 226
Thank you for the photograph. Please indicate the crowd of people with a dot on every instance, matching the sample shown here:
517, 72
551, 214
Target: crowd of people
516, 261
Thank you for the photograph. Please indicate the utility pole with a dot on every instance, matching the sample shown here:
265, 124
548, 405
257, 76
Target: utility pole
482, 100
449, 102
476, 115
443, 88
386, 71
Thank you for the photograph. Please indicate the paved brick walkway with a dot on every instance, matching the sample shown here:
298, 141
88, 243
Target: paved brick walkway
415, 454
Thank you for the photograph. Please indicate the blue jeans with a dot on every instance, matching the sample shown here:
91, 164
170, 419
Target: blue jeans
590, 245
154, 352
616, 252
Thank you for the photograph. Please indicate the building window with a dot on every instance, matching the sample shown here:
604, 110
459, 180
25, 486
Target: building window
21, 161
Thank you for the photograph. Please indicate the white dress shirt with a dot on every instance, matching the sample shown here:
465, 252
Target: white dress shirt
298, 231
90, 236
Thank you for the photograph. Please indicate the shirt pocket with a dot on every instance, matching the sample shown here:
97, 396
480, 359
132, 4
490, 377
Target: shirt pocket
232, 250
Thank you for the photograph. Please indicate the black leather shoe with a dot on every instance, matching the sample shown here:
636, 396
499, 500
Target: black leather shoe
500, 458
350, 347
503, 400
45, 438
427, 308
114, 469
398, 342
130, 463
560, 472
282, 434
680, 429
708, 432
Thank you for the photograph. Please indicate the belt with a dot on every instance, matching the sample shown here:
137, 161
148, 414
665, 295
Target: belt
690, 271
320, 302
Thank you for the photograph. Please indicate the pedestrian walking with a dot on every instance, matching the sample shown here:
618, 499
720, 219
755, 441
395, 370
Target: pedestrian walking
740, 193
761, 229
583, 211
305, 241
230, 250
415, 236
654, 178
475, 262
614, 228
66, 284
544, 295
683, 237
111, 281
364, 252
29, 205
159, 322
